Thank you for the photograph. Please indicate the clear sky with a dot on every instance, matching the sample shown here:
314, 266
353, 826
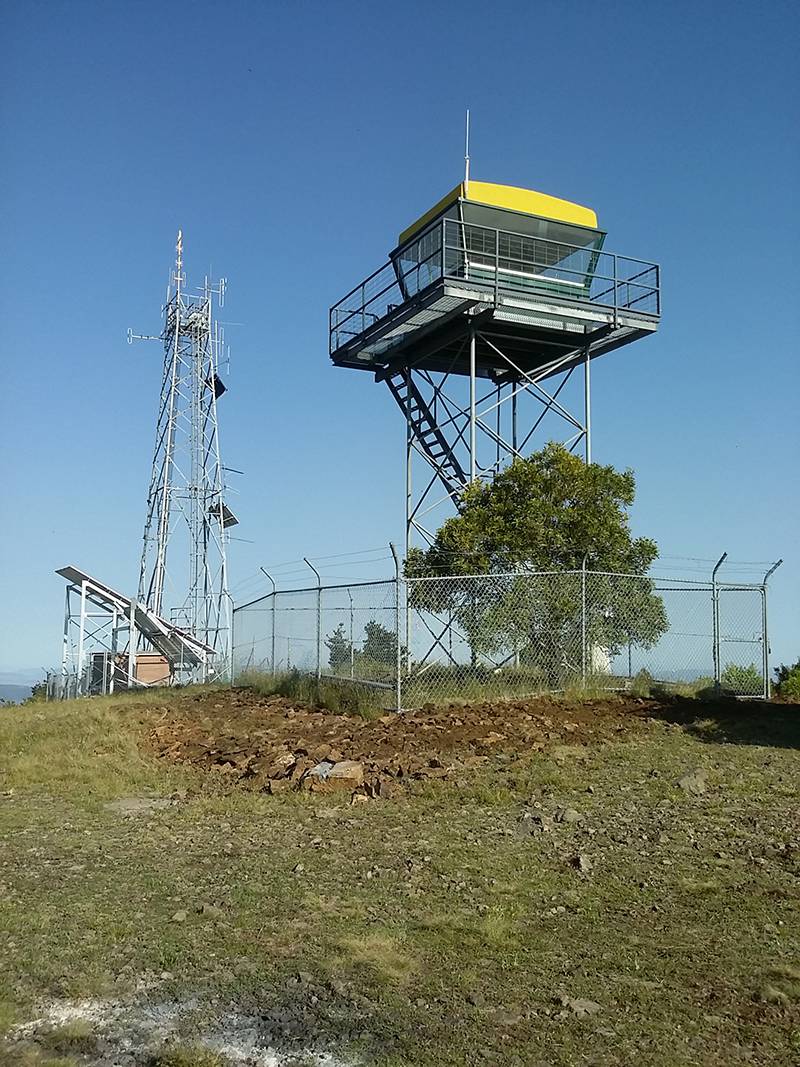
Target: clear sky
292, 142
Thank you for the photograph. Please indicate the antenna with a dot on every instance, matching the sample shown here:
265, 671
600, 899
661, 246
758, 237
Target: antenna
466, 156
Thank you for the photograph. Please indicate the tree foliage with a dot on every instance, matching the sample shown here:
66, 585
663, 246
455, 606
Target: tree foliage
38, 692
541, 517
380, 644
339, 648
544, 513
378, 648
787, 680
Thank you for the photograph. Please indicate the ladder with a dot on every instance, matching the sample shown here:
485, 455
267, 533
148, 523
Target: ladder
428, 437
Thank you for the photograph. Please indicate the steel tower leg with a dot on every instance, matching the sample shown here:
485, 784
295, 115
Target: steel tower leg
465, 430
587, 403
473, 459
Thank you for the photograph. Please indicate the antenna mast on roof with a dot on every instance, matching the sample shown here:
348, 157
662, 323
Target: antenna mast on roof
185, 499
466, 156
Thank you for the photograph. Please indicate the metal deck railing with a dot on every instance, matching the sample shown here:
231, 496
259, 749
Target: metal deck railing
502, 264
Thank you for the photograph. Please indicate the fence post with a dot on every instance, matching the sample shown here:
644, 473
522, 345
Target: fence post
715, 623
352, 647
231, 637
319, 618
764, 636
583, 622
398, 685
272, 646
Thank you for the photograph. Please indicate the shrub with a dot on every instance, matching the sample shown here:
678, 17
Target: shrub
642, 684
744, 680
787, 681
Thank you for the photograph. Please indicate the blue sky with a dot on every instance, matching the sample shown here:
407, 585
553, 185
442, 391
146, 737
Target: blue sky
292, 142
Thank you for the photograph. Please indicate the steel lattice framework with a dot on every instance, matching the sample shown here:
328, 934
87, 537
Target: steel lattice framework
462, 428
185, 500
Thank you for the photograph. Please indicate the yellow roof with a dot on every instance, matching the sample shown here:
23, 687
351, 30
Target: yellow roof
510, 198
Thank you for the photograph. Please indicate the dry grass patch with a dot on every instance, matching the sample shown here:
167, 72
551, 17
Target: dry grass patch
188, 1056
75, 1038
384, 955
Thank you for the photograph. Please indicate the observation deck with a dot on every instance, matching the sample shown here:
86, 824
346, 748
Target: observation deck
529, 270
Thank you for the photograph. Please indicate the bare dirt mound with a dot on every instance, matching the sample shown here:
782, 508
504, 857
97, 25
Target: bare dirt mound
272, 744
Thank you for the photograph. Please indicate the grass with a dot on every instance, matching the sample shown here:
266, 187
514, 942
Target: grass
340, 698
187, 1056
442, 929
440, 685
80, 747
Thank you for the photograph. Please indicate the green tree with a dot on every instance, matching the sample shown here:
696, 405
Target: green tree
380, 644
548, 513
339, 648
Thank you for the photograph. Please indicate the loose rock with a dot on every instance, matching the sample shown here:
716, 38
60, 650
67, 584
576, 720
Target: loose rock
694, 781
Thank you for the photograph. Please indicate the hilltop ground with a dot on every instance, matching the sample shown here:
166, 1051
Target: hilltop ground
533, 883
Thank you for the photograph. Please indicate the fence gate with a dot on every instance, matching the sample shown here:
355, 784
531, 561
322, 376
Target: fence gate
741, 653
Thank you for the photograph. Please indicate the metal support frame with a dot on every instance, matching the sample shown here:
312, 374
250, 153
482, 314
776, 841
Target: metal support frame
473, 458
185, 498
458, 433
104, 631
132, 649
587, 403
92, 628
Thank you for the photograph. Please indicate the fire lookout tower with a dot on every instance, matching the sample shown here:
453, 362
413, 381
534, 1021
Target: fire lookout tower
488, 305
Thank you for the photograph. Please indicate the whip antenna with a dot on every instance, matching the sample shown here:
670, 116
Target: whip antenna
466, 156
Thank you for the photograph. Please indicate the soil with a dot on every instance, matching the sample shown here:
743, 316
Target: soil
272, 744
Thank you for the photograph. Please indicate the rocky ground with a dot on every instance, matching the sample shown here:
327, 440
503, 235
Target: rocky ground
272, 744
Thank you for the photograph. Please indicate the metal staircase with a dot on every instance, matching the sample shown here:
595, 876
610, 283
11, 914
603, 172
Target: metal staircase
427, 436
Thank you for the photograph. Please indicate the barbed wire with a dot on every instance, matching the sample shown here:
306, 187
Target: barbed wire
298, 568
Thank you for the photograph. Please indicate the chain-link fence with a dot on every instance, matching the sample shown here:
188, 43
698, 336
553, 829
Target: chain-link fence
62, 686
344, 632
505, 635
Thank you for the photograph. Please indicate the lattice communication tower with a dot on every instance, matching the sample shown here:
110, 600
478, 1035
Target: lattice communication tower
183, 570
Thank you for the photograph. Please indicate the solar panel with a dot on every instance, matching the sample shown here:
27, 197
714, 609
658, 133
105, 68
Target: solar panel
174, 643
